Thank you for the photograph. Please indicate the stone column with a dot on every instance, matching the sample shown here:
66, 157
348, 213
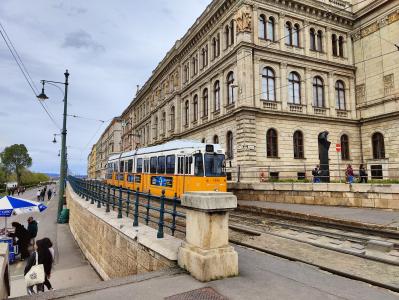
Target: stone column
330, 89
206, 253
308, 90
283, 96
281, 25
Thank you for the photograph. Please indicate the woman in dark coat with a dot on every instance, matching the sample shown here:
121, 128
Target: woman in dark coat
44, 257
23, 237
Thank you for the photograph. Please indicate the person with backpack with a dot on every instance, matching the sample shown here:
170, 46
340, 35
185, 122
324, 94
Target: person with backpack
32, 228
41, 256
316, 174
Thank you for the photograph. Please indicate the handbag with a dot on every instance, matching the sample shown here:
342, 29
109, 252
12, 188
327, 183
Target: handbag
36, 274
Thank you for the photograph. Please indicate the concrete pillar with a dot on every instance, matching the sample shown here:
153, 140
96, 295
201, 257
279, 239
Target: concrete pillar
206, 253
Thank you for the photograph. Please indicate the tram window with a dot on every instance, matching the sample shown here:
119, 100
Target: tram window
146, 165
214, 165
198, 165
153, 165
130, 165
161, 165
180, 164
170, 164
121, 169
188, 162
139, 165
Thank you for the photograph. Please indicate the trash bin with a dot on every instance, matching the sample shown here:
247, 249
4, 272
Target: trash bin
64, 216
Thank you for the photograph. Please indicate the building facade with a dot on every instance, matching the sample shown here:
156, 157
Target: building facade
91, 163
265, 78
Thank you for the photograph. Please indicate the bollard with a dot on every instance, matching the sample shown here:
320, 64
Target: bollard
136, 210
147, 215
99, 195
113, 198
206, 253
92, 193
161, 216
120, 204
128, 203
108, 196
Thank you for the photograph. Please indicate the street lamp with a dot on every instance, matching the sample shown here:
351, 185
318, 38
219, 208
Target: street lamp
63, 164
54, 140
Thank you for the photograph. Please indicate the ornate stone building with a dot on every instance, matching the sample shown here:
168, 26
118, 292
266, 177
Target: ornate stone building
264, 78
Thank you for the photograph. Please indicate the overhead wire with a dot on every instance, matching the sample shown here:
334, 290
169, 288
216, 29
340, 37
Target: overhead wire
24, 71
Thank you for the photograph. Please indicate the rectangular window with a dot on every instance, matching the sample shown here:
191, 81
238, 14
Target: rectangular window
214, 165
146, 166
170, 164
121, 164
187, 167
198, 165
180, 165
139, 165
376, 172
130, 165
153, 165
161, 165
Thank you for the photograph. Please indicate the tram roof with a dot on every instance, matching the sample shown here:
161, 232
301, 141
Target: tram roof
172, 145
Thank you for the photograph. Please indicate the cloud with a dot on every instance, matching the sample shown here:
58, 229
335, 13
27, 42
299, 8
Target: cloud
3, 114
81, 39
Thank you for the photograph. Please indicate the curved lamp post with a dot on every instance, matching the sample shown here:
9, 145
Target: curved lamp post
63, 164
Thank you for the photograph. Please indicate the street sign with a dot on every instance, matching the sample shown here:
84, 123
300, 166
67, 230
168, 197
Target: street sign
338, 147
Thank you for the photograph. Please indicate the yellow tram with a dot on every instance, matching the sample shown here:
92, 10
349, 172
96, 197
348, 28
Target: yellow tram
177, 167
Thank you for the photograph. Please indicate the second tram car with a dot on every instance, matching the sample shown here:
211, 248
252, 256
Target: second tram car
177, 167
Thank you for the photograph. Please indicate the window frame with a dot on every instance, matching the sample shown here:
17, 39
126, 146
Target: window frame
195, 108
272, 143
268, 77
378, 145
216, 95
340, 93
345, 153
170, 161
230, 88
318, 91
262, 25
294, 84
205, 102
229, 145
298, 142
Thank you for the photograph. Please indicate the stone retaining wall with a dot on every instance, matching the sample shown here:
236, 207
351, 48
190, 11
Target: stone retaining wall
334, 194
113, 246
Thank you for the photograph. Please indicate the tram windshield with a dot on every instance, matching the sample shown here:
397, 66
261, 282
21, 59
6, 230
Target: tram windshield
214, 164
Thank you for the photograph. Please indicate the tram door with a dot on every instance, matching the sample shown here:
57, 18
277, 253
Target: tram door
183, 173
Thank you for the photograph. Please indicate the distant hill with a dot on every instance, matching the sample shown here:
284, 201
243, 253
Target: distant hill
53, 175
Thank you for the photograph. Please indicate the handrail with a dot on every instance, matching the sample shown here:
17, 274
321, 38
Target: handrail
121, 199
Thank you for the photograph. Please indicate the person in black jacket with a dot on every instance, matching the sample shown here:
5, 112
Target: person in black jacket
44, 257
23, 237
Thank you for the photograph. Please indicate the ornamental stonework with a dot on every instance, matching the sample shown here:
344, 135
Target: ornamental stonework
244, 19
361, 92
388, 84
377, 25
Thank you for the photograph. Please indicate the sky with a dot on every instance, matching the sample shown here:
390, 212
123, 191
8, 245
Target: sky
108, 47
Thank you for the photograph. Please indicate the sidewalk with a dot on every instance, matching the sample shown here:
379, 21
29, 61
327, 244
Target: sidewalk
70, 269
385, 218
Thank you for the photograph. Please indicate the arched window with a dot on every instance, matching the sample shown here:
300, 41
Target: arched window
312, 39
230, 88
164, 122
216, 95
218, 44
215, 139
378, 145
298, 145
295, 35
214, 47
270, 29
204, 56
345, 147
341, 46
232, 32
318, 92
340, 95
262, 27
288, 33
186, 112
205, 102
320, 41
268, 85
334, 42
294, 88
229, 145
172, 118
195, 108
227, 36
186, 73
156, 128
272, 143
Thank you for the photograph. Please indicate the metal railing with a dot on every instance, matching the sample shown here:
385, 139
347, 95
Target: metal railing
375, 172
156, 211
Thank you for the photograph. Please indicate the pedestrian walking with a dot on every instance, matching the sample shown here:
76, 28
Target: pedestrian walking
23, 237
316, 174
44, 257
49, 245
42, 194
363, 174
49, 193
350, 176
38, 193
32, 229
